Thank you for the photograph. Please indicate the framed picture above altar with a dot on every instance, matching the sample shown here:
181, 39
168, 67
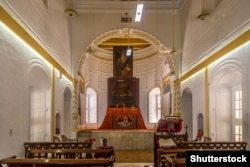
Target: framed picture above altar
123, 92
123, 61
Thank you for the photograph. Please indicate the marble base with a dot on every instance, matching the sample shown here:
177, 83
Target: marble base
121, 139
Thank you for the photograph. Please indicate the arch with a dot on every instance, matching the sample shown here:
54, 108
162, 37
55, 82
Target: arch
58, 126
67, 95
228, 65
40, 95
200, 125
91, 107
155, 112
187, 110
167, 101
226, 75
160, 47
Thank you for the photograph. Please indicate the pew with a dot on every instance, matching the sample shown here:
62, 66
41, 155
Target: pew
72, 153
63, 157
177, 138
241, 145
175, 162
177, 157
28, 162
28, 146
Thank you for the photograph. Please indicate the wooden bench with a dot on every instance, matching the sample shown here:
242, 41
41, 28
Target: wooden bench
175, 162
28, 146
215, 145
176, 157
28, 162
178, 139
71, 153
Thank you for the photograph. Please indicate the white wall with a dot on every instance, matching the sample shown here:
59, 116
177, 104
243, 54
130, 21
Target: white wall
235, 63
48, 25
201, 37
196, 84
16, 61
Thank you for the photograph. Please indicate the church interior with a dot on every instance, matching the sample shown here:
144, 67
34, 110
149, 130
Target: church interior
122, 75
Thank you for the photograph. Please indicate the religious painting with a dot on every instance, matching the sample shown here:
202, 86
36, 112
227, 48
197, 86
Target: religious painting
123, 61
123, 92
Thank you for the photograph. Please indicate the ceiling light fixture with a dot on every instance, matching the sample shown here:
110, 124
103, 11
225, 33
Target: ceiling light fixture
70, 11
138, 12
173, 51
129, 49
89, 50
204, 12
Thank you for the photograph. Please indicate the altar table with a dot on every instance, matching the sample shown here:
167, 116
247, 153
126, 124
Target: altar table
123, 118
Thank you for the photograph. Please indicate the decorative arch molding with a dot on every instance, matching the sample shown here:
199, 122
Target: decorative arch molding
35, 62
168, 80
224, 65
68, 85
135, 33
187, 89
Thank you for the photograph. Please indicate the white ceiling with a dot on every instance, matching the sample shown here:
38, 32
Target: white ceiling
118, 5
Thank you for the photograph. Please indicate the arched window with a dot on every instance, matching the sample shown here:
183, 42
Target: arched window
154, 105
237, 112
91, 106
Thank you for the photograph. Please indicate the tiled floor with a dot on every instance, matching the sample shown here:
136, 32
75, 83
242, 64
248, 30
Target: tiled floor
133, 164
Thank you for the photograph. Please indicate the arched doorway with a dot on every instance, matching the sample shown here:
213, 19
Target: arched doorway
200, 125
40, 113
58, 124
187, 111
67, 112
226, 102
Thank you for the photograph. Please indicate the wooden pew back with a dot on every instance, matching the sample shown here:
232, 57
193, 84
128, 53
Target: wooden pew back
28, 146
178, 139
215, 145
71, 153
28, 162
165, 156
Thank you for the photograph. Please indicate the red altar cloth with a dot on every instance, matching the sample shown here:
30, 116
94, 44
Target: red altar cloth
108, 122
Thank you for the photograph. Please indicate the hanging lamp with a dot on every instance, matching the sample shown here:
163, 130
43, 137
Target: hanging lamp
90, 50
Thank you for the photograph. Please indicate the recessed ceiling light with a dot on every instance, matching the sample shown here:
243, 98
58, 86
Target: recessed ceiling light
138, 12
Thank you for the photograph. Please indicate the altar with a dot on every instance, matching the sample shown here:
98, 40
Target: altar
123, 110
123, 118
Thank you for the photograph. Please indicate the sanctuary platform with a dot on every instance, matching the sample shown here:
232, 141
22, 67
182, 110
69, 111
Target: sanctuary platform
121, 139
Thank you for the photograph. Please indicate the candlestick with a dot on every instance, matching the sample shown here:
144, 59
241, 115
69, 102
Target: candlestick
124, 108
